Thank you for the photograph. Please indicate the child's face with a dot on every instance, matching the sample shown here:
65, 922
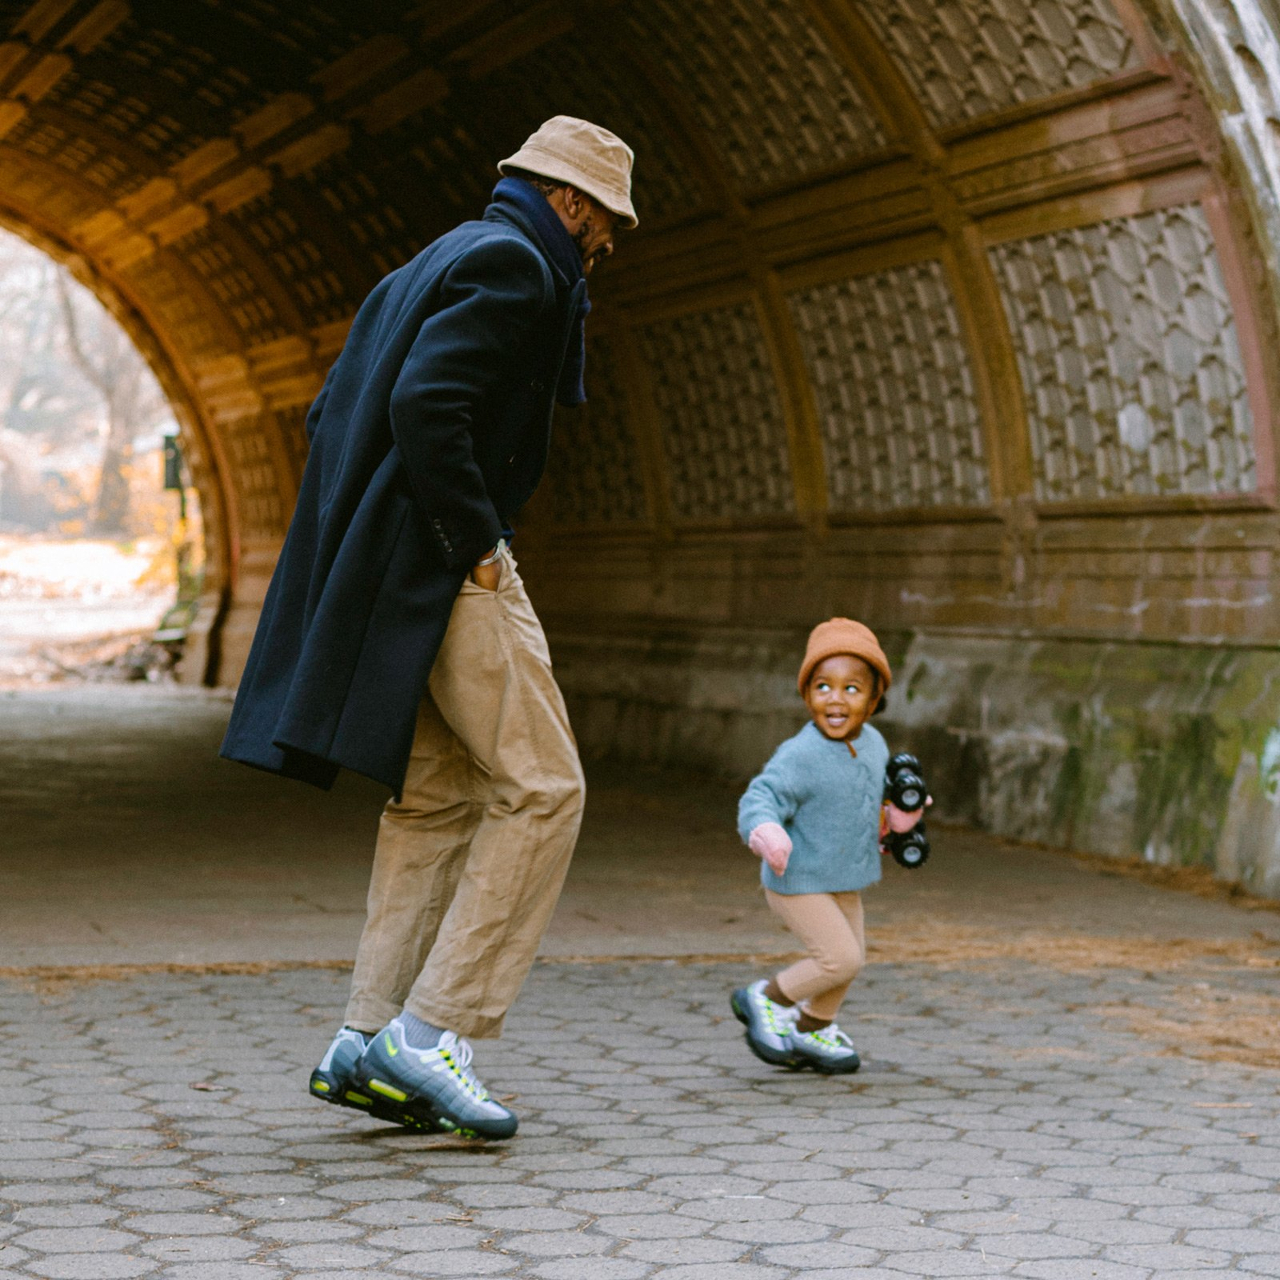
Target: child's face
842, 694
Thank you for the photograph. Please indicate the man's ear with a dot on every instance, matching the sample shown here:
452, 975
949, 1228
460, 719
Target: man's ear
576, 204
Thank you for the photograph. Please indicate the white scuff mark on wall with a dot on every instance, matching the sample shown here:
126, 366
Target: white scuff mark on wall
1221, 602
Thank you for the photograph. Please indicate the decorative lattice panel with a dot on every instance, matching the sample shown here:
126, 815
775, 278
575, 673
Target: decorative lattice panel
261, 510
285, 236
593, 473
233, 286
722, 420
1132, 371
444, 173
73, 152
178, 308
176, 90
891, 375
763, 83
968, 58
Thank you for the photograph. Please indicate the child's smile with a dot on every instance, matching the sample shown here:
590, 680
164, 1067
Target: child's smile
842, 694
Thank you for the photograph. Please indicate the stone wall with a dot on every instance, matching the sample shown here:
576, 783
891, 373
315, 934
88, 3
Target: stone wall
1161, 752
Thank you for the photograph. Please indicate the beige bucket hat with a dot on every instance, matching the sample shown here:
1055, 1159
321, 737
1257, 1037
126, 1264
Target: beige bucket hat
583, 155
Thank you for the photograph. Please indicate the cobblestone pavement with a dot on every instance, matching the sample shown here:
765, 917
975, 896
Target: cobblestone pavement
1008, 1122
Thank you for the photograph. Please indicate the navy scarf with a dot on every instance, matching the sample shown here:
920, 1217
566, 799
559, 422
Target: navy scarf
527, 207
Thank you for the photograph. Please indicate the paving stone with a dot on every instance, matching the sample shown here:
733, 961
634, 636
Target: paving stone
42, 1192
777, 1231
1168, 1257
557, 1244
598, 1269
949, 1262
1036, 1243
828, 1254
657, 1226
1233, 1239
1262, 1264
463, 1263
330, 1256
65, 1215
75, 1240
91, 1267
186, 1224
537, 1219
722, 1271
306, 1232
419, 1239
405, 1213
1081, 1269
219, 1248
1119, 1231
614, 1202
223, 1270
684, 1252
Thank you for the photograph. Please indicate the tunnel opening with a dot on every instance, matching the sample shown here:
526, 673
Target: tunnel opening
102, 558
959, 318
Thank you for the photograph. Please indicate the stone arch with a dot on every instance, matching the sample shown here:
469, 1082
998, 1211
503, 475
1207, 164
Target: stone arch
960, 316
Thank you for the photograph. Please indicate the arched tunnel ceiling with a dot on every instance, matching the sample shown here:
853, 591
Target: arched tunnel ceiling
965, 265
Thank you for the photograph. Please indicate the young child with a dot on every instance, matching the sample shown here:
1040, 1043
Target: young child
813, 817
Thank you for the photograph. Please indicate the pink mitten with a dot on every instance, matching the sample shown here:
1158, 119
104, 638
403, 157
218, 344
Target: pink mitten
900, 820
770, 842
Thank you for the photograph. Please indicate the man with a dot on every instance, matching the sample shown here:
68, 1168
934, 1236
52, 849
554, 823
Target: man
397, 639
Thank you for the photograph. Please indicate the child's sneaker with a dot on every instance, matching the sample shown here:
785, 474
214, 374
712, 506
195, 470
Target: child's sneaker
827, 1050
768, 1024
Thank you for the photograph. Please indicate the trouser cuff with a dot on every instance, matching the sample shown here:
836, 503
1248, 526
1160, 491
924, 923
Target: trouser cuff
368, 1013
457, 1018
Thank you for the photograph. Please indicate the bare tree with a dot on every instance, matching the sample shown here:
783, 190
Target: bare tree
73, 390
130, 398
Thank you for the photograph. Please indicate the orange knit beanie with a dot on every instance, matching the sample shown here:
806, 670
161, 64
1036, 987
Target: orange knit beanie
843, 635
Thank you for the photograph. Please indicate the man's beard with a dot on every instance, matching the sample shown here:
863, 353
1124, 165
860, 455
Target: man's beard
581, 237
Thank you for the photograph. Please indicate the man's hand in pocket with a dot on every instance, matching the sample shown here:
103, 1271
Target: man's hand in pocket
488, 576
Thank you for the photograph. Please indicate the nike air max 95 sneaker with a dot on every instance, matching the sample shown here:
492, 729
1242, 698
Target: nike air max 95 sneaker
827, 1050
768, 1024
430, 1087
331, 1080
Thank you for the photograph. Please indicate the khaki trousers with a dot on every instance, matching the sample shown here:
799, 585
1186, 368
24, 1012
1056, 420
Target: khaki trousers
831, 928
470, 862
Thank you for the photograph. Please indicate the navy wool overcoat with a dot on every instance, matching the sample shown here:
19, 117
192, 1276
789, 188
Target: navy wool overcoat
430, 432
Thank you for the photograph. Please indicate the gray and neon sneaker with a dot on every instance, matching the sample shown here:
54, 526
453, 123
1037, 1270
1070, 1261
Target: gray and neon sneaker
768, 1024
827, 1050
331, 1080
433, 1087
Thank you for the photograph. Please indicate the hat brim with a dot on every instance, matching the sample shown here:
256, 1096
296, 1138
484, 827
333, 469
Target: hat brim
532, 160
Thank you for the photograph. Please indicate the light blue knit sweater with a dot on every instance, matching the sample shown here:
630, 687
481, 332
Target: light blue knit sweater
829, 804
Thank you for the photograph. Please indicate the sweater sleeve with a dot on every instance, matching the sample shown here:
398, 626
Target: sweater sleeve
773, 794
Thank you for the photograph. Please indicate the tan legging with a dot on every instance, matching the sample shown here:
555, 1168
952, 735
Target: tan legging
830, 926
